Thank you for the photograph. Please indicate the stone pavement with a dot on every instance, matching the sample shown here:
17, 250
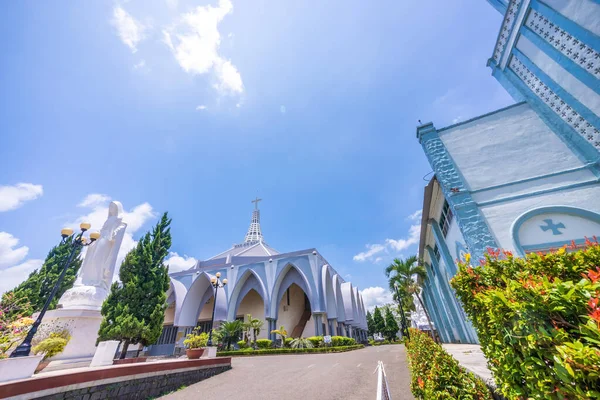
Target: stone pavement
307, 377
471, 357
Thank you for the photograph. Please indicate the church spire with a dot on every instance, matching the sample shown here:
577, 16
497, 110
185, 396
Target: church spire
254, 234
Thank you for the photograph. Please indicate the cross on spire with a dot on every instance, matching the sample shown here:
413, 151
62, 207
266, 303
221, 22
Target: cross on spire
254, 234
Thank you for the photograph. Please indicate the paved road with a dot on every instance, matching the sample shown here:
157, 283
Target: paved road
306, 377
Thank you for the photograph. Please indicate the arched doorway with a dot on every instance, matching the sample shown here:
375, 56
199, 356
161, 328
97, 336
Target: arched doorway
294, 311
252, 304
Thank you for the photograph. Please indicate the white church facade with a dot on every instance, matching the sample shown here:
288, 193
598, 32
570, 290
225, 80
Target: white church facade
525, 178
298, 290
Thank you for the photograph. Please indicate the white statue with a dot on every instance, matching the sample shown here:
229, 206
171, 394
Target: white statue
96, 273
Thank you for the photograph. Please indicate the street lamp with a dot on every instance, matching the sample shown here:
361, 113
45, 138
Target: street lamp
215, 283
402, 316
78, 242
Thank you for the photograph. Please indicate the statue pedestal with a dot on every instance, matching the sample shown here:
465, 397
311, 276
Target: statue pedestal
84, 325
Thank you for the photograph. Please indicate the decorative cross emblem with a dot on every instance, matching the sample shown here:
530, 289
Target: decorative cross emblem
555, 227
255, 201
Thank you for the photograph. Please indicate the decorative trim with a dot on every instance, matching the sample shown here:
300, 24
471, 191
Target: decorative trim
565, 42
556, 103
578, 212
470, 221
506, 29
538, 192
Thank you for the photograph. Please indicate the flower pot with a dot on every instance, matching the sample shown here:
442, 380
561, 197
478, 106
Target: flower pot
194, 354
18, 367
42, 365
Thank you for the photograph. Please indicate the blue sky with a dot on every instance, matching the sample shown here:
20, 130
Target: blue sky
196, 107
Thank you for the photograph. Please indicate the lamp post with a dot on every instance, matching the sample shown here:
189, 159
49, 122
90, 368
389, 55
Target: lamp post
78, 241
402, 316
215, 283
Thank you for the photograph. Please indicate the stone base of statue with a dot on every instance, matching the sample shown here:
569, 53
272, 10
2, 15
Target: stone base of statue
84, 325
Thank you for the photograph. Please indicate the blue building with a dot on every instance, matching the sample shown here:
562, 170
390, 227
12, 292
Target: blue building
298, 290
526, 177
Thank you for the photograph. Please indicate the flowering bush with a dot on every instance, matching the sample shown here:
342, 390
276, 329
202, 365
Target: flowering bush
196, 339
538, 320
435, 374
13, 333
54, 344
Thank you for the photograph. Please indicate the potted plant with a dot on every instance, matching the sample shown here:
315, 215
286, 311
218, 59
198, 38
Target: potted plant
54, 344
195, 343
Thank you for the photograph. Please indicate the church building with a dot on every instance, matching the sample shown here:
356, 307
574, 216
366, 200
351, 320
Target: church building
525, 178
298, 290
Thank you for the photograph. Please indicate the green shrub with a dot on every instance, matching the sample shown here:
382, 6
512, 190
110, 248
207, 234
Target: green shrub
264, 343
538, 320
435, 374
250, 352
288, 342
242, 344
301, 343
342, 341
195, 340
317, 341
54, 344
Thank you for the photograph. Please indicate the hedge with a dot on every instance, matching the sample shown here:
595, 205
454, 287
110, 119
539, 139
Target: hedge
538, 320
250, 352
317, 341
435, 374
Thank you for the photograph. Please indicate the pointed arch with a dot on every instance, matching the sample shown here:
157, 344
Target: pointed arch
249, 280
358, 319
328, 292
285, 278
349, 303
339, 299
176, 294
197, 295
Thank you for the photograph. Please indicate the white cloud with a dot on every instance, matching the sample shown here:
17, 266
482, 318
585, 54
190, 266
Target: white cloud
11, 277
10, 254
12, 197
393, 245
135, 219
376, 296
94, 199
139, 65
129, 29
201, 107
195, 40
398, 245
416, 216
172, 4
178, 263
238, 105
282, 109
366, 255
11, 272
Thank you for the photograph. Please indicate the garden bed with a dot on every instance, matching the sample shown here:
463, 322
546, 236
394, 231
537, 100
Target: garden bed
260, 352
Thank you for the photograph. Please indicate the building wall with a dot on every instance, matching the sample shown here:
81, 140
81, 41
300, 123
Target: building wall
290, 315
169, 315
253, 304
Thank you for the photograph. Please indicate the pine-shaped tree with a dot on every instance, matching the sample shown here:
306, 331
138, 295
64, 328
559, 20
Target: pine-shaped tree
391, 326
34, 291
370, 324
378, 321
134, 309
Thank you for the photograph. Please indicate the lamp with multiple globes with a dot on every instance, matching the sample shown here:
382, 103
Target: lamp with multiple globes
216, 284
77, 242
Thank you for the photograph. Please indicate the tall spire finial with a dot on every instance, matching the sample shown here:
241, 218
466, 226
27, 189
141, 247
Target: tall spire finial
254, 234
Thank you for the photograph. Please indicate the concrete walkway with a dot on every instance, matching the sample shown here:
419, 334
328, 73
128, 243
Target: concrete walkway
307, 377
471, 357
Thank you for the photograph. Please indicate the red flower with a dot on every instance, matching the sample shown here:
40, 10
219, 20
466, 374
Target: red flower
594, 275
421, 383
593, 303
595, 315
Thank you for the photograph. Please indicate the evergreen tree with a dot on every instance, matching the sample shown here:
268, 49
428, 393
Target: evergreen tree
134, 309
34, 291
378, 321
370, 324
391, 326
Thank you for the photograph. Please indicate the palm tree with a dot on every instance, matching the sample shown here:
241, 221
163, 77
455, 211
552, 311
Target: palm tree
230, 331
401, 274
256, 325
281, 332
247, 326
